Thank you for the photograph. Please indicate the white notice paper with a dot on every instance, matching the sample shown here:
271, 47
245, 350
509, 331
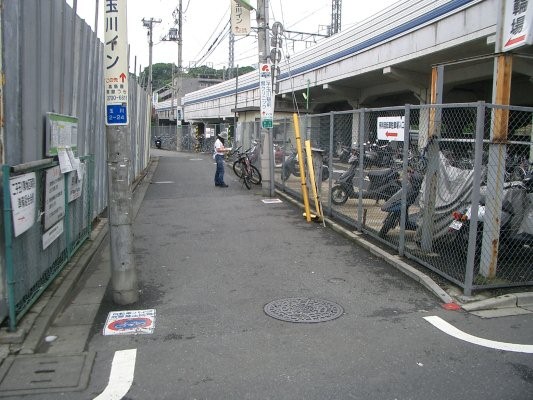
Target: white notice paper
64, 160
23, 201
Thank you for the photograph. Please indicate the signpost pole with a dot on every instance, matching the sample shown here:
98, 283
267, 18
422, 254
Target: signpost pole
266, 95
123, 273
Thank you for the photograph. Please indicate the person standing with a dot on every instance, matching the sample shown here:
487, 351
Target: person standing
220, 150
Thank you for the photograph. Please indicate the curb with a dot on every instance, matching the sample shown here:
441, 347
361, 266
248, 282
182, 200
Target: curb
505, 301
65, 288
32, 327
393, 260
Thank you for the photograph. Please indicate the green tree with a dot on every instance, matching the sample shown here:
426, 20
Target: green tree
162, 74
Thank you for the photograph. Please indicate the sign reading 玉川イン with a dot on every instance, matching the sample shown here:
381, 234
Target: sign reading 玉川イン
116, 62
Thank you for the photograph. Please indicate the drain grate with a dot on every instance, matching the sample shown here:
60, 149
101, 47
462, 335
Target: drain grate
41, 373
301, 309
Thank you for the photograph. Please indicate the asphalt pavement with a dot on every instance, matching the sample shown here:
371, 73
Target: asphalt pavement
253, 302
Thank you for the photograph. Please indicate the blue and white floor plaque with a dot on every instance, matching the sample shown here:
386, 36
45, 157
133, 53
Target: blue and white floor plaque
130, 322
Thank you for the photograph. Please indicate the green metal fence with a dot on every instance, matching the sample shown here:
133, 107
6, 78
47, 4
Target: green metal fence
47, 217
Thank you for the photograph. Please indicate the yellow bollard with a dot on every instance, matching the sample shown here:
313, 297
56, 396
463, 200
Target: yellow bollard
301, 161
312, 180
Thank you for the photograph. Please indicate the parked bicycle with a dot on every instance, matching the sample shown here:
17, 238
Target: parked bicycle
244, 169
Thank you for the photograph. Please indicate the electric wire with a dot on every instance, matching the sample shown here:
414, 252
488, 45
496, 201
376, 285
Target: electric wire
213, 34
215, 44
288, 63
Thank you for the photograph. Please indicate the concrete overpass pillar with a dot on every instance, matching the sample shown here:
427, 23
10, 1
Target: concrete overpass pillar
356, 123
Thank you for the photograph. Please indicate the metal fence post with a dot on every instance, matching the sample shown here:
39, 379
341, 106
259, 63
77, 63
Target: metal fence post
361, 144
66, 221
404, 211
330, 157
8, 232
472, 234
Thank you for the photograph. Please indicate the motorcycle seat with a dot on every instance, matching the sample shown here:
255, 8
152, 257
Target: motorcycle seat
375, 173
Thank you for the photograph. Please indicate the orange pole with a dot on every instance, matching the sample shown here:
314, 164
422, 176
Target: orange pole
301, 160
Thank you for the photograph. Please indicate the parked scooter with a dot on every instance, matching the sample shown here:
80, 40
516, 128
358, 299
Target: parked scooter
516, 229
382, 183
344, 153
393, 206
158, 142
279, 155
291, 166
381, 156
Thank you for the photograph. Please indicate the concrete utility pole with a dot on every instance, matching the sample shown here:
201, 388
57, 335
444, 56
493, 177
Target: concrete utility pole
149, 24
180, 36
266, 134
180, 49
231, 61
123, 273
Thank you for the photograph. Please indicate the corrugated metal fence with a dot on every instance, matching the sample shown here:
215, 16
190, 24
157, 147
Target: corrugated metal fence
53, 62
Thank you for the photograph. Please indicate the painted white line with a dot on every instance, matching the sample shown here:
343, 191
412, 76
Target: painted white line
163, 182
121, 376
451, 330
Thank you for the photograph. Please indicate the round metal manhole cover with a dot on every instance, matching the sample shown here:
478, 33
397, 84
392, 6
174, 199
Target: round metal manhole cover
301, 309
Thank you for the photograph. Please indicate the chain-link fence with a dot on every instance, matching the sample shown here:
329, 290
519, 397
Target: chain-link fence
422, 199
448, 185
47, 217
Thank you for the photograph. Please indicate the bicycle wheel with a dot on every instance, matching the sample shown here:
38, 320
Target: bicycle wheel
238, 168
247, 182
255, 175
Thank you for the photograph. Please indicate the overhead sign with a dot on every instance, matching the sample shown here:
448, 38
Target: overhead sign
240, 19
116, 62
391, 128
517, 24
265, 93
130, 322
22, 189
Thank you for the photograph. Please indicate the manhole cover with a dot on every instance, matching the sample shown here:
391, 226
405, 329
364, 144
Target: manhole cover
301, 309
41, 373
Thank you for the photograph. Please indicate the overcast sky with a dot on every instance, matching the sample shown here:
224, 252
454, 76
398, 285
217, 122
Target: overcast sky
204, 21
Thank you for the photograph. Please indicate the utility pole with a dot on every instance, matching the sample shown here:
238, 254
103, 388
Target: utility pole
180, 49
231, 61
180, 36
149, 24
123, 273
266, 134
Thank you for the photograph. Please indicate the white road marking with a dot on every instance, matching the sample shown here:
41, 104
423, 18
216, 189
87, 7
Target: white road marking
121, 376
451, 330
164, 182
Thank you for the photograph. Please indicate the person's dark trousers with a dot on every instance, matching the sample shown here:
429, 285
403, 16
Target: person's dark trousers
219, 174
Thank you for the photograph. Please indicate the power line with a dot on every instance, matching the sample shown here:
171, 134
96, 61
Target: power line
222, 35
212, 34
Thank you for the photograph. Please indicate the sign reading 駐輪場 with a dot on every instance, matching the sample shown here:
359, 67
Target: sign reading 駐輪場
517, 24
